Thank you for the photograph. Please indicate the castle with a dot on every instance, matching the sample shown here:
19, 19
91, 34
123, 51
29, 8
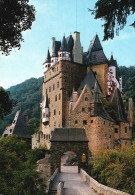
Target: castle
83, 90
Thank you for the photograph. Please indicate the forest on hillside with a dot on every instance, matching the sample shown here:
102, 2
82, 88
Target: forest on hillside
29, 94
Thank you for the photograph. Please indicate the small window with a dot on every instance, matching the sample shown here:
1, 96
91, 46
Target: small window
83, 109
55, 98
49, 100
59, 112
54, 111
110, 136
125, 129
10, 130
44, 136
63, 55
49, 89
116, 130
84, 122
57, 84
86, 99
59, 96
53, 86
91, 121
46, 91
75, 122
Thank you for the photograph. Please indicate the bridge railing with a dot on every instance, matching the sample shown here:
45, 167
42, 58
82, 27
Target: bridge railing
60, 188
99, 188
52, 179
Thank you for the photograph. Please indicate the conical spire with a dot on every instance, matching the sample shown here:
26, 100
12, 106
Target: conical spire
46, 102
95, 44
63, 44
48, 58
96, 95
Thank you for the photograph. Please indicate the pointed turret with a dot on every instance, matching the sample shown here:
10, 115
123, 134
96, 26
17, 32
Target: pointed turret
114, 78
97, 108
95, 52
55, 48
45, 111
63, 45
48, 58
64, 53
47, 62
96, 95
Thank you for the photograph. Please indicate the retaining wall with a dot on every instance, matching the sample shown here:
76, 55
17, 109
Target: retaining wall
99, 188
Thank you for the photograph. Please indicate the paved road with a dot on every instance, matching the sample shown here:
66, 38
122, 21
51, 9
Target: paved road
73, 182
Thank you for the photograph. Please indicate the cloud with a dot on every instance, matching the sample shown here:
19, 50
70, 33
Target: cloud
124, 36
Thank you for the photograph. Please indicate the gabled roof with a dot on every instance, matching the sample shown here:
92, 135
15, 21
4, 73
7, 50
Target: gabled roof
64, 44
56, 48
95, 52
90, 81
69, 134
48, 58
118, 105
18, 127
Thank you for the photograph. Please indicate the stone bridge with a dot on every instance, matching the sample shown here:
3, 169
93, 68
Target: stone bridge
70, 180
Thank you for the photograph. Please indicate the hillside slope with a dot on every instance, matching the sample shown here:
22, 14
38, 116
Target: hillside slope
28, 95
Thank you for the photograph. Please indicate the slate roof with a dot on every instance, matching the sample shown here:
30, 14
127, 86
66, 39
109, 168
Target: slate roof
118, 105
95, 52
90, 80
99, 109
69, 134
64, 46
48, 58
46, 105
56, 48
70, 42
18, 127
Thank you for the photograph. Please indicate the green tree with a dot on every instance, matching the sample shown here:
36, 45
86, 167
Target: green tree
114, 13
116, 168
5, 103
18, 168
33, 125
15, 16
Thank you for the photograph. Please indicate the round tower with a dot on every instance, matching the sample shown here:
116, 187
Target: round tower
64, 53
47, 62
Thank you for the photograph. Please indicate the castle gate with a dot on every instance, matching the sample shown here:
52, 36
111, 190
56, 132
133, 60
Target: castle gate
69, 139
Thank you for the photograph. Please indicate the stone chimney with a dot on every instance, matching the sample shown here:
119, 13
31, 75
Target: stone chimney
77, 49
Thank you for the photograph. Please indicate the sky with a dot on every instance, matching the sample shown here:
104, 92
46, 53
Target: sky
54, 18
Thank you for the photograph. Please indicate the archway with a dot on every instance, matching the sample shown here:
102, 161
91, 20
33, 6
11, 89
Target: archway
69, 139
69, 162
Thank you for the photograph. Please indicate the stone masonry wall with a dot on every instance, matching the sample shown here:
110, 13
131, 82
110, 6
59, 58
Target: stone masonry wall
100, 132
59, 148
102, 76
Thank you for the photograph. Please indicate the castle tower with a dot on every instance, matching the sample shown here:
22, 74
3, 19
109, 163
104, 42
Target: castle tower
114, 79
55, 48
47, 62
64, 54
77, 49
45, 111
